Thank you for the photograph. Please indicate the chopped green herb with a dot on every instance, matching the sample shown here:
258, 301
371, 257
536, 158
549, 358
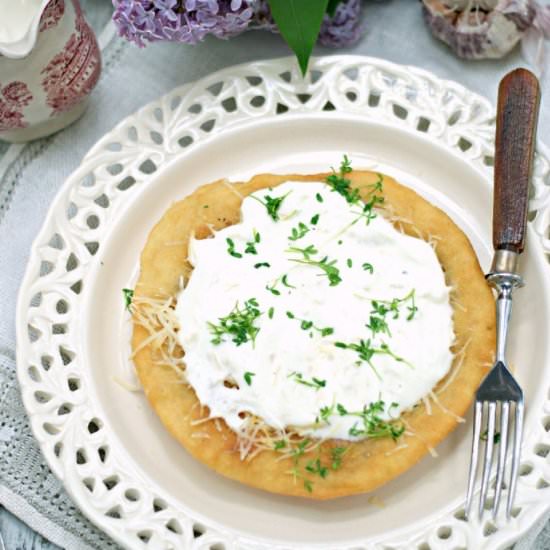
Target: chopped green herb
329, 268
272, 205
340, 241
270, 312
239, 324
378, 186
373, 426
262, 264
319, 197
205, 206
284, 280
280, 444
382, 307
231, 249
251, 245
315, 467
345, 166
378, 325
128, 295
298, 232
496, 437
313, 383
366, 352
368, 267
384, 348
342, 411
337, 454
325, 413
314, 220
248, 377
273, 290
308, 485
307, 252
349, 262
306, 325
340, 184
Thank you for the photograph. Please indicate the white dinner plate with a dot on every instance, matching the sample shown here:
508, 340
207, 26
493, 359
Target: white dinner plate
115, 458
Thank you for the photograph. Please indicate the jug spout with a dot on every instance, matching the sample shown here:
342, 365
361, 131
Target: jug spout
19, 26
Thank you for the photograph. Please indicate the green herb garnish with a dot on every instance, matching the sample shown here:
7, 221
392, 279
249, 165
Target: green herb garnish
319, 197
248, 377
296, 455
378, 325
272, 205
366, 352
337, 454
325, 413
231, 249
373, 426
315, 467
298, 232
270, 312
314, 220
307, 252
349, 262
342, 185
313, 383
329, 268
368, 267
485, 435
128, 295
273, 290
251, 245
280, 444
382, 307
239, 324
262, 264
306, 325
284, 280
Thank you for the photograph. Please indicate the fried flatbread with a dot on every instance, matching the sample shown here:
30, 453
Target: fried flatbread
367, 464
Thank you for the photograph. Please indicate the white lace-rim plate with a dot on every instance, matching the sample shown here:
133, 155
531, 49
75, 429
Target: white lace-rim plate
116, 460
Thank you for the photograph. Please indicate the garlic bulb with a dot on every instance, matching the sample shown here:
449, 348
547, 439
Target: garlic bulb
477, 29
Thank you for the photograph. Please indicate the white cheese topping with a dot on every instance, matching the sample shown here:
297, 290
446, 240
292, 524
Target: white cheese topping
290, 370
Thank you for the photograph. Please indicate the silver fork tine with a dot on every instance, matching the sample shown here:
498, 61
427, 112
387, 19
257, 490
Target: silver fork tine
488, 456
478, 416
504, 414
518, 430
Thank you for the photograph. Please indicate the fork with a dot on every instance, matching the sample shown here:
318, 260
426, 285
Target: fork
499, 395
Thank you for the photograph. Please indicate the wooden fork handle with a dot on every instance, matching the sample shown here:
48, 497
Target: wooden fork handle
517, 114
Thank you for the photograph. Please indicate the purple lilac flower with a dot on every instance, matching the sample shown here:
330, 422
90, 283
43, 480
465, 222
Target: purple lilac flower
189, 21
345, 27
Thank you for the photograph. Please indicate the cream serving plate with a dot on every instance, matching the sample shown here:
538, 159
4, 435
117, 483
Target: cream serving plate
115, 458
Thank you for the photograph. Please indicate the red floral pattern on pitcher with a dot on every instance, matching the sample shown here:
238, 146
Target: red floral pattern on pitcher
72, 74
13, 97
52, 14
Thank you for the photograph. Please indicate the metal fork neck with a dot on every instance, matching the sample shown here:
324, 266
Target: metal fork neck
504, 278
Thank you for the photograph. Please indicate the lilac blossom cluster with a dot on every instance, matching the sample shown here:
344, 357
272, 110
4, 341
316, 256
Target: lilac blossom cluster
190, 21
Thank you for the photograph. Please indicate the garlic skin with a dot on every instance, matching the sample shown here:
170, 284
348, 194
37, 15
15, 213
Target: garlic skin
479, 29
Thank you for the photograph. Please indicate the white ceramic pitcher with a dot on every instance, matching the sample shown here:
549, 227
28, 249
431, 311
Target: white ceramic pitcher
49, 64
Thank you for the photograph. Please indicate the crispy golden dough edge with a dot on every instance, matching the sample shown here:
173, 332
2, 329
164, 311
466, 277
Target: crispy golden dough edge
368, 464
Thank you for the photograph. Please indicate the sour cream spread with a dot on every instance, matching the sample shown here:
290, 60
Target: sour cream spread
309, 310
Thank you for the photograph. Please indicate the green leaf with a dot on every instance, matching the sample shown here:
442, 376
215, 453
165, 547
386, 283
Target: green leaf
299, 22
331, 7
